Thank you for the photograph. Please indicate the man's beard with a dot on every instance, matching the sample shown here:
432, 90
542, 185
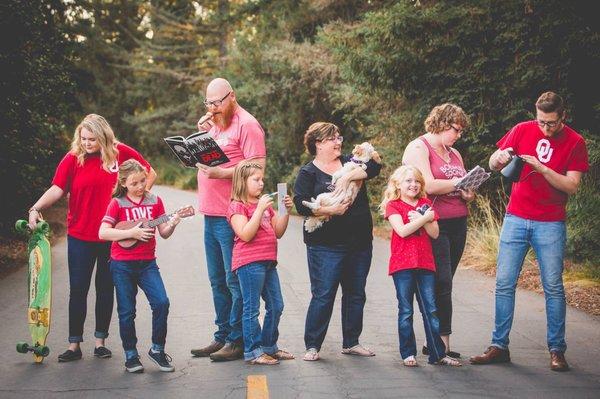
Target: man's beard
223, 118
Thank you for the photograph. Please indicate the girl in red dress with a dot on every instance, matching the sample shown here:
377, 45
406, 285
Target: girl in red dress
411, 265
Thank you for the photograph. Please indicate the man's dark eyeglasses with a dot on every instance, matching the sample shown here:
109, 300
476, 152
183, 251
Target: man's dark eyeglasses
216, 103
550, 124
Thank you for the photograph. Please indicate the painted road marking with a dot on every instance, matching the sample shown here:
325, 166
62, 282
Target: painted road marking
257, 387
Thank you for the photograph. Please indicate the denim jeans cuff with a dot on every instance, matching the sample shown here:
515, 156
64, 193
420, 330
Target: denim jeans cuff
131, 353
347, 345
269, 350
253, 355
158, 348
75, 339
556, 349
101, 334
503, 347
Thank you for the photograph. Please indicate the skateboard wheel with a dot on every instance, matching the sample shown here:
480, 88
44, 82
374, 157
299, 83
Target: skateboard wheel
22, 226
42, 351
22, 347
43, 227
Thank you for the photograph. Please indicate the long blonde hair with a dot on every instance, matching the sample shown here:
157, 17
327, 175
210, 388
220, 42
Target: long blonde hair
241, 173
126, 169
392, 191
100, 128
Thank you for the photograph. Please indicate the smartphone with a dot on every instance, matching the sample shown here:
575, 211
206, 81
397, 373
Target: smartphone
281, 193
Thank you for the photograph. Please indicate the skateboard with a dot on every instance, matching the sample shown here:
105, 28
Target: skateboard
39, 284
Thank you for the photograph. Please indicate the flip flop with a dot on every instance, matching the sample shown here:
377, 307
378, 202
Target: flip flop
311, 355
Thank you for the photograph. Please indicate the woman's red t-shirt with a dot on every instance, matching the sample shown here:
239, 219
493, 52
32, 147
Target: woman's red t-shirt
90, 189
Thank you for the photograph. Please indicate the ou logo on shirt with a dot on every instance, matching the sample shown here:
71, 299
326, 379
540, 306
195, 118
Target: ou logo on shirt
544, 151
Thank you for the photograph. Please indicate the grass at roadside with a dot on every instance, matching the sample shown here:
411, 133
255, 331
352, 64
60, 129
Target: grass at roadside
582, 281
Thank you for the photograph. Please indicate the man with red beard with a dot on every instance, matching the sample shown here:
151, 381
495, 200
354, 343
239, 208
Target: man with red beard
241, 137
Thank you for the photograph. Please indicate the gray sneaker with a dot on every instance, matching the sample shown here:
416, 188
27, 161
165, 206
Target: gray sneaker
231, 351
207, 350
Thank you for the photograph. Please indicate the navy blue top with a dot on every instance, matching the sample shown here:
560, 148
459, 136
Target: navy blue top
355, 227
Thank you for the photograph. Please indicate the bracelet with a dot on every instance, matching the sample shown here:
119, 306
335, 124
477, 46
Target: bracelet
33, 209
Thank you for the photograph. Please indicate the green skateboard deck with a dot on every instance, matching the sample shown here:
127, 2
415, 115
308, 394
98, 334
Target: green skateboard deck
39, 289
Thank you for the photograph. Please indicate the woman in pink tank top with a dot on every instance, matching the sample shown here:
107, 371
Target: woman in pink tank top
442, 167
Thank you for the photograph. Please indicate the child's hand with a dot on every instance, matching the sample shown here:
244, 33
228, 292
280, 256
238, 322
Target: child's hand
174, 221
141, 233
413, 215
429, 214
287, 201
264, 202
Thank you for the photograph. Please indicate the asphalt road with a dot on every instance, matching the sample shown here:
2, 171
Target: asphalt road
181, 259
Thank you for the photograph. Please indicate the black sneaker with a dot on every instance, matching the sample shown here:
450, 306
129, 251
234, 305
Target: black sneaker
134, 365
102, 352
162, 360
69, 355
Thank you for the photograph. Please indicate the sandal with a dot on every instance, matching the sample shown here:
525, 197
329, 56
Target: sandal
410, 362
282, 355
453, 354
358, 350
263, 359
448, 361
311, 355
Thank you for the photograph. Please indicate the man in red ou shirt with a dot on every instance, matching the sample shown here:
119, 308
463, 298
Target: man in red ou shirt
555, 158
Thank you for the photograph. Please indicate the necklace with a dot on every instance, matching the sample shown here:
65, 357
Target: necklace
442, 151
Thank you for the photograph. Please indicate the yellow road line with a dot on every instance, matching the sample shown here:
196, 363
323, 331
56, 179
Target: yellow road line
257, 387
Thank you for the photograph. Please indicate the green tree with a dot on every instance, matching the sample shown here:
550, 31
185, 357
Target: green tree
38, 101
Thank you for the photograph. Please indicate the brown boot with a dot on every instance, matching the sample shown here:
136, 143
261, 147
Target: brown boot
558, 361
493, 354
207, 350
231, 351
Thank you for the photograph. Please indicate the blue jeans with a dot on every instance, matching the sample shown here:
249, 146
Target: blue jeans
548, 241
82, 256
421, 283
328, 267
227, 296
260, 279
128, 275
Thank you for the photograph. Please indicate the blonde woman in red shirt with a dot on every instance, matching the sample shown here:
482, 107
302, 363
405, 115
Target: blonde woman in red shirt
88, 173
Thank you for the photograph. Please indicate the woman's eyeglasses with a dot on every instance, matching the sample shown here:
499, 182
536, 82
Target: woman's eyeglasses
457, 130
335, 138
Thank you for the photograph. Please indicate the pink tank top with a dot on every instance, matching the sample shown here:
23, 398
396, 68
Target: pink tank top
449, 205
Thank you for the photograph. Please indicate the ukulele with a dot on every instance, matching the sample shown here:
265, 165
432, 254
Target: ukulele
129, 243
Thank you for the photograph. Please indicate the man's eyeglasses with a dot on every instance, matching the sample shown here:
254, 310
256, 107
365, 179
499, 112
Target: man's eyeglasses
335, 138
550, 124
216, 103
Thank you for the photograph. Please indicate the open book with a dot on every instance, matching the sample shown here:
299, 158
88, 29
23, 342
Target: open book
473, 179
198, 147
